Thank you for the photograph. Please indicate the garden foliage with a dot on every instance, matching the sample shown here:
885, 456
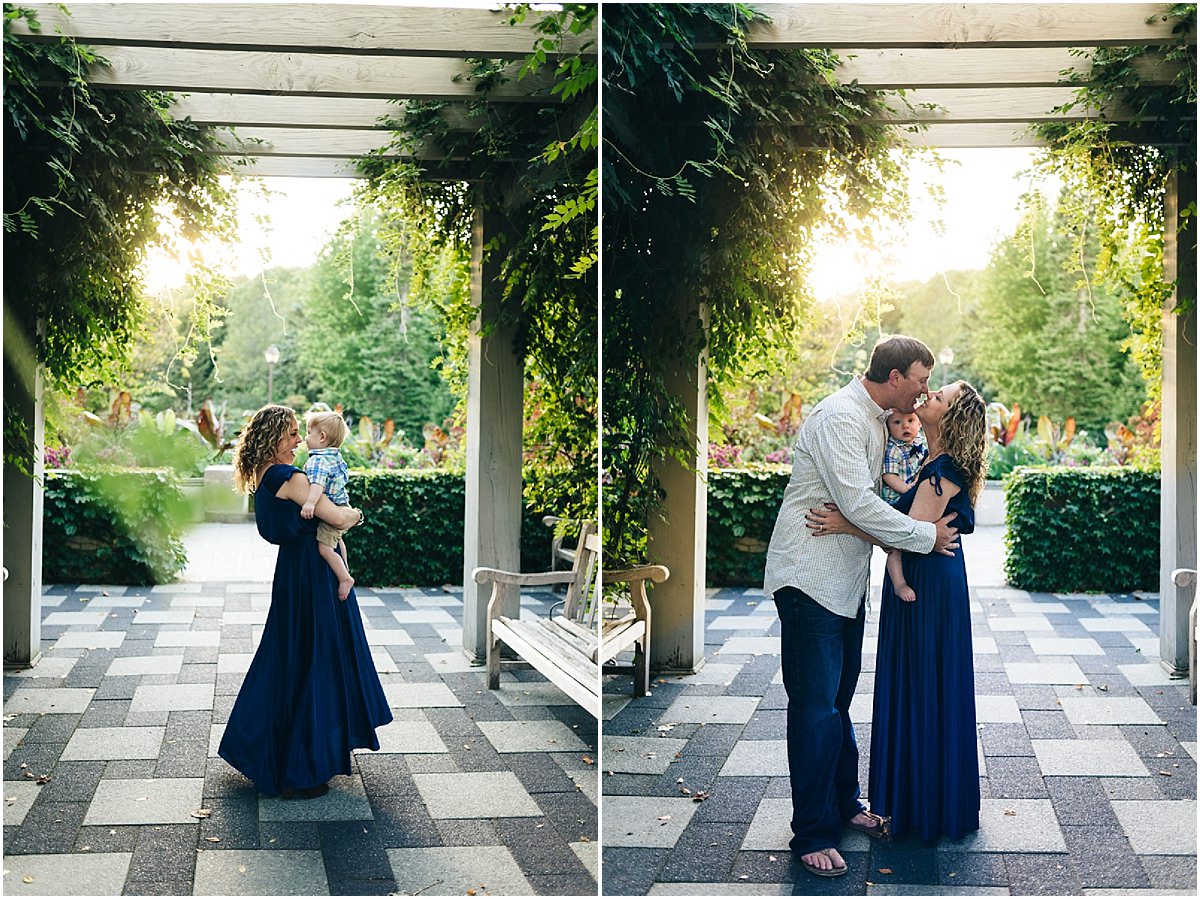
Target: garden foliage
742, 506
113, 527
1082, 530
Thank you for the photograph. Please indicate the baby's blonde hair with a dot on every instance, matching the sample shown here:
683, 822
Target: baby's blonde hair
331, 423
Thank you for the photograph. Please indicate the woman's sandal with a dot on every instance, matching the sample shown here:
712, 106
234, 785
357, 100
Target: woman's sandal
823, 872
876, 830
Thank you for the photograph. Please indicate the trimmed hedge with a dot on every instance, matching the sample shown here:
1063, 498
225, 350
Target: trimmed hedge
412, 532
742, 506
1082, 529
118, 527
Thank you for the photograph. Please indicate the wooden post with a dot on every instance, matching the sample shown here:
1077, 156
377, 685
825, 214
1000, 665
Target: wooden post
495, 388
679, 536
1178, 509
23, 502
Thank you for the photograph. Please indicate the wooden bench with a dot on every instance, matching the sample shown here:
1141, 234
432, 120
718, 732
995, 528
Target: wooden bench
568, 648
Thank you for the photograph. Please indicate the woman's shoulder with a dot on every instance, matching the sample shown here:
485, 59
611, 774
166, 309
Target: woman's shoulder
276, 475
943, 466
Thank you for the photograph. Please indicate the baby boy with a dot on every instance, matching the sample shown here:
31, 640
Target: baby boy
904, 455
327, 474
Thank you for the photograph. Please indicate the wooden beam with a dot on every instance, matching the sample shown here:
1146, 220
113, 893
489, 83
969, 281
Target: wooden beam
993, 134
997, 104
344, 144
272, 111
994, 67
349, 28
838, 25
321, 167
300, 74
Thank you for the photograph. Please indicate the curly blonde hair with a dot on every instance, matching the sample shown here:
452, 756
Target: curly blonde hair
257, 444
964, 437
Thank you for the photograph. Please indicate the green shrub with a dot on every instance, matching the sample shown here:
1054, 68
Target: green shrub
113, 527
1082, 529
742, 506
413, 529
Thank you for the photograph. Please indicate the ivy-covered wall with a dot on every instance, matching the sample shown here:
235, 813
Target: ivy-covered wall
742, 506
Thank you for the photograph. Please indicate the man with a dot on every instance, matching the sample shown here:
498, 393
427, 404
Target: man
819, 584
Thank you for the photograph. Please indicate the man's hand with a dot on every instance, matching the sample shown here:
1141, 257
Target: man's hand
947, 537
306, 511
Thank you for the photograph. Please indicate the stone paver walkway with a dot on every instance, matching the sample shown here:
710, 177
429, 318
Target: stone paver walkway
1088, 771
112, 784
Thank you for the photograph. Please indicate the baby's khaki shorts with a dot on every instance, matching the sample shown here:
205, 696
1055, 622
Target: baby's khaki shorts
328, 534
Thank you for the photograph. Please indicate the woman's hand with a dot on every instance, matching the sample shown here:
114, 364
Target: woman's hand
826, 520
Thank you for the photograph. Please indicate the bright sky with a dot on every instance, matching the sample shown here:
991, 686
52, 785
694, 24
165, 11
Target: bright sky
982, 187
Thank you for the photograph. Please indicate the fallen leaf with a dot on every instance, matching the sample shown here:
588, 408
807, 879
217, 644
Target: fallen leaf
202, 813
1165, 773
679, 780
85, 848
140, 798
701, 795
24, 765
470, 892
588, 761
885, 870
466, 746
1079, 686
44, 779
213, 839
772, 858
1010, 813
27, 879
585, 839
743, 877
112, 833
664, 818
539, 826
241, 868
685, 791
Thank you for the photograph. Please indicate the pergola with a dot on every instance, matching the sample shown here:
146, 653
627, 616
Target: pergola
990, 70
299, 90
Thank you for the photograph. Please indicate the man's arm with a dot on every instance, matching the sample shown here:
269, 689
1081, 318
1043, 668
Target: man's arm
839, 450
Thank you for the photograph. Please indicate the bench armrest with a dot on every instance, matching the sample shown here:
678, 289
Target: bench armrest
537, 579
655, 573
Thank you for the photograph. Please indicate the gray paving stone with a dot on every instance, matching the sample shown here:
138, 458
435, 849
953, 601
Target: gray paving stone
420, 696
751, 646
260, 872
645, 820
424, 616
164, 616
711, 709
1151, 675
388, 637
1065, 646
77, 874
757, 758
197, 602
402, 736
531, 736
12, 737
156, 664
107, 743
345, 801
1021, 623
18, 799
450, 662
1165, 827
167, 800
495, 794
1013, 825
640, 755
234, 662
1127, 625
916, 889
188, 638
1109, 710
515, 694
44, 700
47, 667
720, 889
997, 710
740, 623
172, 697
86, 617
1045, 673
455, 870
1111, 758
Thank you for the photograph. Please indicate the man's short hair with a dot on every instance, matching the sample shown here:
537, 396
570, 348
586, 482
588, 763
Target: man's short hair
896, 352
331, 423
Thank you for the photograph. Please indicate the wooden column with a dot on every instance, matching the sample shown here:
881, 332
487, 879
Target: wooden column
1178, 509
23, 503
678, 537
495, 392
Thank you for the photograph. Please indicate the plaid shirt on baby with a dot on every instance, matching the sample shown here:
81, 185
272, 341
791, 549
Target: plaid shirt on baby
904, 459
327, 468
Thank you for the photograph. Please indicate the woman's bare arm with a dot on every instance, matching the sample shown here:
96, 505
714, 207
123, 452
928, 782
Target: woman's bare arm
927, 505
296, 487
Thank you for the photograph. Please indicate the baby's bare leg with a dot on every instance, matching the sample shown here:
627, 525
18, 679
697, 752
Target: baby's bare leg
340, 571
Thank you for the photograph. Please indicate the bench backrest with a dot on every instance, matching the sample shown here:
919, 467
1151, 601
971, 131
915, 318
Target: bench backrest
580, 591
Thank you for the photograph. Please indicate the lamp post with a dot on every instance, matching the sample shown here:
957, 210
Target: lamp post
272, 356
946, 356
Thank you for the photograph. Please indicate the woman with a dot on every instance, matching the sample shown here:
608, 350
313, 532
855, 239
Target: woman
311, 694
924, 769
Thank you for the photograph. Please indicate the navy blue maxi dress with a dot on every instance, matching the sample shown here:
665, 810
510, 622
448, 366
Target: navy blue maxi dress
311, 694
924, 768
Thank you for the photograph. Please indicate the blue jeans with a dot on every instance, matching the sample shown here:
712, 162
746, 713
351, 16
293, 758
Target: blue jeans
822, 656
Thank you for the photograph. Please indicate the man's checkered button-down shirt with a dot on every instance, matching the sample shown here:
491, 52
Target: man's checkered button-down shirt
838, 458
327, 468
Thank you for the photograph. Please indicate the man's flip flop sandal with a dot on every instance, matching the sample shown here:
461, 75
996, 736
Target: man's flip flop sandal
877, 829
823, 872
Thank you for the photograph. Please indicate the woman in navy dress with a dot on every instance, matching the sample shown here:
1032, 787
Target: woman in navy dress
924, 772
311, 694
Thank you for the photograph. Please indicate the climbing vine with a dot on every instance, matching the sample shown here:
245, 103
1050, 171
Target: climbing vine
719, 162
88, 177
532, 167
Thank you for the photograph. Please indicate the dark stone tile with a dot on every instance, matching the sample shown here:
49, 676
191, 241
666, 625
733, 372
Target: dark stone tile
982, 869
571, 814
1176, 779
1103, 858
49, 827
222, 781
107, 838
52, 729
910, 861
768, 725
778, 788
468, 832
105, 713
188, 725
636, 719
538, 772
989, 683
353, 851
1170, 872
713, 739
85, 676
538, 849
629, 870
72, 782
404, 822
164, 852
1131, 788
1047, 725
1080, 801
288, 835
1039, 697
32, 758
117, 687
180, 887
1015, 778
197, 674
349, 887
480, 757
562, 884
228, 684
1005, 740
704, 853
222, 706
698, 773
130, 648
385, 775
182, 758
120, 769
233, 821
451, 724
737, 803
1041, 874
